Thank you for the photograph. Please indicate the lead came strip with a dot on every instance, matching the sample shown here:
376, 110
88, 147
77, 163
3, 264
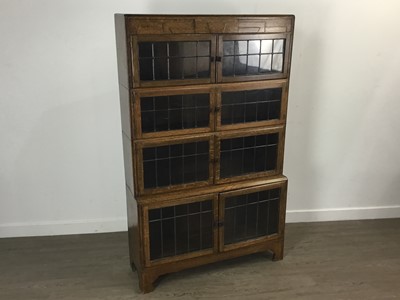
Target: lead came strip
236, 150
161, 165
204, 230
256, 105
238, 61
241, 210
174, 60
165, 113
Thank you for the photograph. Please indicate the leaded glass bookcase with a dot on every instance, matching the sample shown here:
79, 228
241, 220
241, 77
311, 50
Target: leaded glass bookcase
203, 106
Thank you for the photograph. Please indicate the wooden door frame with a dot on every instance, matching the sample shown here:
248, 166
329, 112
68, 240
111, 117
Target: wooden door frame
170, 91
135, 39
251, 86
141, 144
244, 133
246, 36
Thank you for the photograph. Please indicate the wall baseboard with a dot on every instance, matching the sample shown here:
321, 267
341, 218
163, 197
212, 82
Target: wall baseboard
342, 214
63, 227
120, 224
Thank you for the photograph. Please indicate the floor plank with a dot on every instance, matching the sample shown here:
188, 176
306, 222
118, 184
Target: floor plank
329, 260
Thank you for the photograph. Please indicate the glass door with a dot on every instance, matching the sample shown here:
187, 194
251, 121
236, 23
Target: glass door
253, 57
249, 154
251, 104
173, 111
179, 229
167, 164
160, 60
251, 215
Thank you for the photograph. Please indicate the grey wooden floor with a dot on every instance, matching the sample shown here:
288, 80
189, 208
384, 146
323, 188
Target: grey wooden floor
330, 260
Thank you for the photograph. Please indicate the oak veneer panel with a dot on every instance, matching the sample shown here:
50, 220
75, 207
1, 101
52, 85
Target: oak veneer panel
181, 24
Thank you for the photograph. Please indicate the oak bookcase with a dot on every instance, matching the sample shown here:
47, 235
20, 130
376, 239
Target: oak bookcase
203, 106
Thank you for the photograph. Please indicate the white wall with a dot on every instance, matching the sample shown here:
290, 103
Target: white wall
61, 168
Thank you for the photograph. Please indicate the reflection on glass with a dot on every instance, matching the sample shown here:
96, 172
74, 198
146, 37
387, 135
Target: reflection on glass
277, 62
189, 67
253, 62
188, 49
278, 46
252, 57
254, 47
203, 49
240, 47
240, 65
265, 63
203, 65
229, 48
266, 46
227, 66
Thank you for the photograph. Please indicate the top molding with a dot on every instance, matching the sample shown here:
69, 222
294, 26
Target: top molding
211, 24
